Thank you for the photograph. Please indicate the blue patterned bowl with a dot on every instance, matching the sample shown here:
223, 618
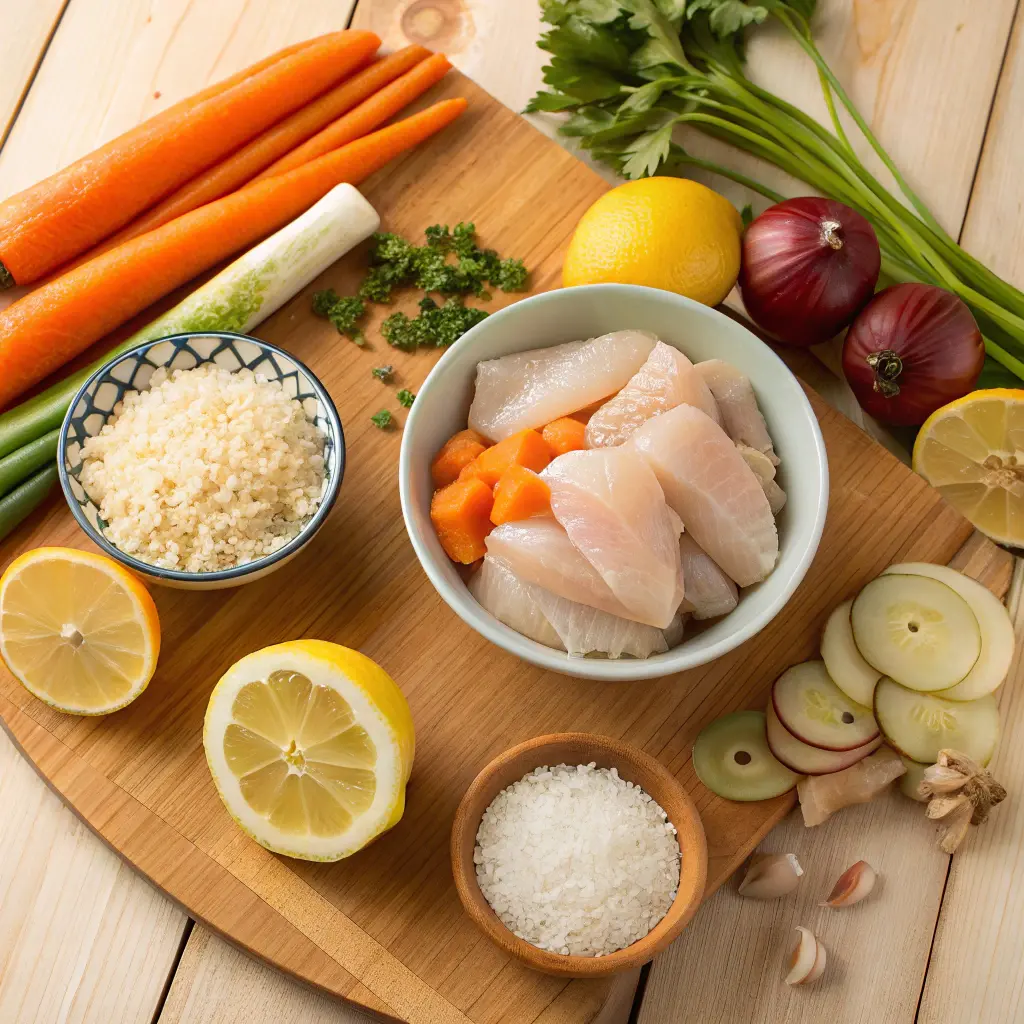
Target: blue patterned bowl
132, 371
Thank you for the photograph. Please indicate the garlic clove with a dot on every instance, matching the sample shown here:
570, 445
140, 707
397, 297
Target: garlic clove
770, 876
854, 884
804, 957
819, 965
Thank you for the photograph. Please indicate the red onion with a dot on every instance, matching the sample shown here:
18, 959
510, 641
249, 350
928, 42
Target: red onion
912, 349
808, 266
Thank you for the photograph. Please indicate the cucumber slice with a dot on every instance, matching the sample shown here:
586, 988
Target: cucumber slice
912, 779
997, 640
731, 757
849, 671
807, 760
816, 711
916, 630
919, 725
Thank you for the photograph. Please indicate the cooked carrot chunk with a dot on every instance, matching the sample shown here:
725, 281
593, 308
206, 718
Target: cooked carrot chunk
519, 494
527, 448
461, 514
565, 435
456, 453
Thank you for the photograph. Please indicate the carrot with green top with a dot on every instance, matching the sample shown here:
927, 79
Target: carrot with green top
59, 218
62, 318
244, 165
367, 116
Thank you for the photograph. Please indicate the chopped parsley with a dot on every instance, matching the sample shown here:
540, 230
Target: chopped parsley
382, 420
406, 398
344, 313
435, 327
383, 373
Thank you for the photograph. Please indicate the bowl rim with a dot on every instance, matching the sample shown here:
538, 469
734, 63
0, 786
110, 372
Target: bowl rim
238, 571
606, 669
681, 910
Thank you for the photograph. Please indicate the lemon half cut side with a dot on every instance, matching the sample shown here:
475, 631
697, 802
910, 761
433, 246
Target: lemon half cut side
310, 745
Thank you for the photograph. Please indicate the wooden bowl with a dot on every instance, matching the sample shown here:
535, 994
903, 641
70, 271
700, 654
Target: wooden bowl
634, 766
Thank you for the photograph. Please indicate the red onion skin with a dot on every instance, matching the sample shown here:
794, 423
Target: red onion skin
795, 283
937, 341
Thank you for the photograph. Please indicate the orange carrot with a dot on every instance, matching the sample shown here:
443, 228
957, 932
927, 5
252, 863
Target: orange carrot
520, 494
367, 116
565, 435
461, 513
244, 165
456, 453
527, 448
62, 318
52, 222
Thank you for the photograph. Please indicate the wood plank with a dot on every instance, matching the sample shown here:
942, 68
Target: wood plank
83, 939
215, 983
26, 31
975, 972
750, 939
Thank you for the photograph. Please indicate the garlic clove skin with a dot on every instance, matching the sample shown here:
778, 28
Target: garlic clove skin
771, 876
804, 957
854, 884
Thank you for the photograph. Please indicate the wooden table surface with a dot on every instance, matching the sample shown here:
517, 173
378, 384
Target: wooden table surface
83, 940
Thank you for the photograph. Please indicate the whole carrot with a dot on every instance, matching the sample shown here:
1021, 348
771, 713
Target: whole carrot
242, 166
63, 317
367, 116
52, 222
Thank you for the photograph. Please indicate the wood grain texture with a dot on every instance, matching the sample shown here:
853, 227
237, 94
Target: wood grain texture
878, 949
26, 29
387, 921
83, 938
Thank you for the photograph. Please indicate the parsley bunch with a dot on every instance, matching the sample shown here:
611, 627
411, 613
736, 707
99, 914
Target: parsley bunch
636, 74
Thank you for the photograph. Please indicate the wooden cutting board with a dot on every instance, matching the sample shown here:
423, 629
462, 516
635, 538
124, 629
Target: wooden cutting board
384, 929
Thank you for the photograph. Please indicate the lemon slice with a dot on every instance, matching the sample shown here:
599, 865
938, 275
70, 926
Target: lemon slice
972, 452
310, 746
77, 630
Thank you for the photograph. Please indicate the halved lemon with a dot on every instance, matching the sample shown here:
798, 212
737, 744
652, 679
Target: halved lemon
77, 630
310, 745
972, 452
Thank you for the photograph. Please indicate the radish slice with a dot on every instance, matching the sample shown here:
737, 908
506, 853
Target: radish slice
916, 630
997, 640
912, 779
919, 725
731, 757
849, 671
804, 959
807, 760
816, 711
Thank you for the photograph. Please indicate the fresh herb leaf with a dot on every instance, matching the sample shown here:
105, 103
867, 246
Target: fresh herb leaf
582, 40
644, 14
747, 215
406, 398
383, 373
323, 301
382, 420
345, 313
727, 17
648, 152
644, 98
402, 333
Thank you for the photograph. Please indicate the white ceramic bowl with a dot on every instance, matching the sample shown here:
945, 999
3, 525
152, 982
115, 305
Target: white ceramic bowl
442, 405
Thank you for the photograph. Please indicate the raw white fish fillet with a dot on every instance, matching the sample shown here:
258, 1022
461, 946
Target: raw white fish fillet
708, 483
612, 507
764, 470
539, 551
676, 628
529, 389
708, 592
509, 600
737, 403
666, 379
584, 630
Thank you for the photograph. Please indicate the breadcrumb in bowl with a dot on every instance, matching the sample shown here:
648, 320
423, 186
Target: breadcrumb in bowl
202, 461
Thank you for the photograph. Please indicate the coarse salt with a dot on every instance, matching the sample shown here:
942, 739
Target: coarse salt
576, 860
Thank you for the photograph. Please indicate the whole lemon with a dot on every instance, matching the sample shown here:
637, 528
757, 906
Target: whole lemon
668, 233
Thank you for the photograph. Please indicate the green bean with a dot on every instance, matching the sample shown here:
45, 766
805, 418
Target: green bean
21, 464
24, 500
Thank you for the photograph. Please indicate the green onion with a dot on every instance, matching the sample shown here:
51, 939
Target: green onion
21, 464
24, 500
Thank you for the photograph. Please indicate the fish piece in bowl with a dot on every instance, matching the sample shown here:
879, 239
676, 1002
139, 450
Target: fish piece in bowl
609, 502
497, 588
530, 389
713, 490
708, 591
666, 379
737, 403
